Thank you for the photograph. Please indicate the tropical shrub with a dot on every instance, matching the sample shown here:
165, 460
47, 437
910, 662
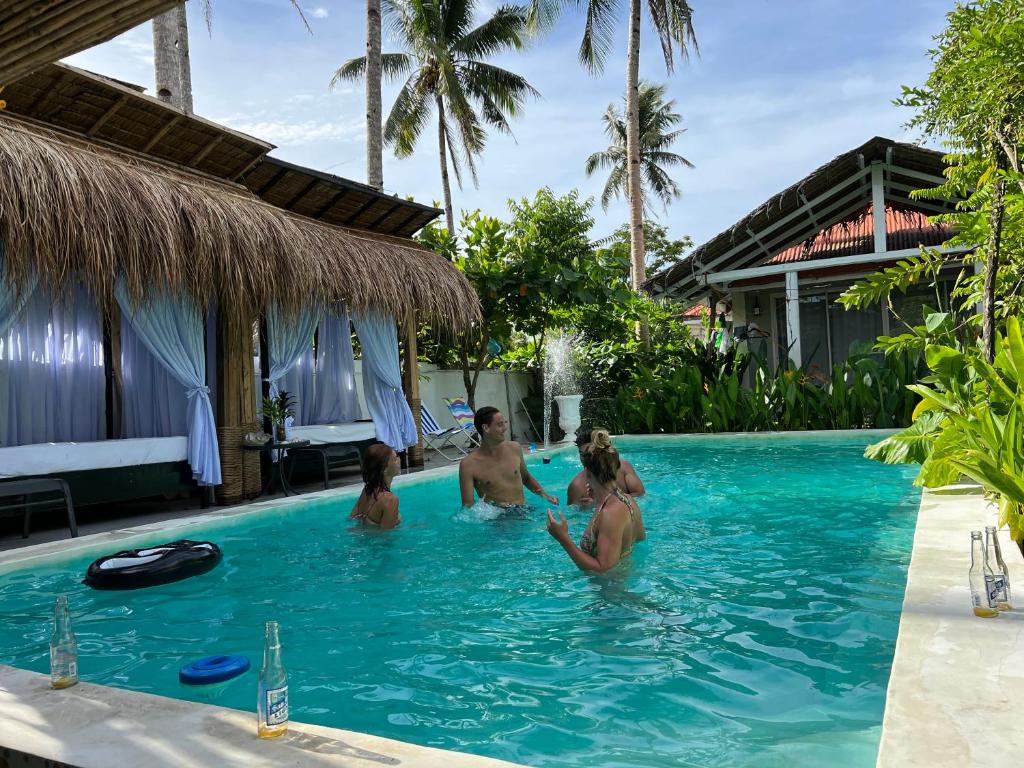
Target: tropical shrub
712, 392
970, 421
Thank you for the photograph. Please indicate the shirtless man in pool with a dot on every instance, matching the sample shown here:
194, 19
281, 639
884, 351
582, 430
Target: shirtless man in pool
496, 470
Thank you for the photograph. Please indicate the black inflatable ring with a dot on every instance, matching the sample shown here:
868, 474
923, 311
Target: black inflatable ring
159, 564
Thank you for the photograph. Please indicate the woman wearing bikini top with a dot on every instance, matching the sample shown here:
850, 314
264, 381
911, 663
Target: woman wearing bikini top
377, 505
616, 524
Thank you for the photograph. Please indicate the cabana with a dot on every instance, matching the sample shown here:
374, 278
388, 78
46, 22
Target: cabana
134, 271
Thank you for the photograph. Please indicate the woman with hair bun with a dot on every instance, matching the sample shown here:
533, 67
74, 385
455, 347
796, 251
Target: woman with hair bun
616, 524
377, 505
579, 492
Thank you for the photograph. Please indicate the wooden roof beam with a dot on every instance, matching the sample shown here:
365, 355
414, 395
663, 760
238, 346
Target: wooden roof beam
272, 181
361, 210
724, 278
205, 151
834, 213
334, 200
931, 206
249, 165
376, 222
168, 126
45, 96
406, 221
853, 178
302, 193
109, 113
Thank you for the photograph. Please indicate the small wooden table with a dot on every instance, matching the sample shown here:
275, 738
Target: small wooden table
277, 462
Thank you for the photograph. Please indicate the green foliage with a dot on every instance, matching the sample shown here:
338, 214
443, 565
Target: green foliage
535, 272
703, 391
660, 249
904, 274
279, 408
970, 422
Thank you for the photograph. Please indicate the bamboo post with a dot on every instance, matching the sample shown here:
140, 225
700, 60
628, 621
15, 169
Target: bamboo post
114, 394
411, 385
236, 405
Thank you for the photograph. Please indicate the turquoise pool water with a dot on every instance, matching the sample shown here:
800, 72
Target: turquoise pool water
755, 627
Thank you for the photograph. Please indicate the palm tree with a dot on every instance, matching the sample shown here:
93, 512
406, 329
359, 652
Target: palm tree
672, 21
657, 118
374, 150
171, 62
446, 70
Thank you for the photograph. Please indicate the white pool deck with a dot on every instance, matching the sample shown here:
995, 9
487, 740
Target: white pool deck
957, 681
952, 697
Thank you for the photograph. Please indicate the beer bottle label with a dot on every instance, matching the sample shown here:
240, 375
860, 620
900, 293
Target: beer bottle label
277, 706
994, 585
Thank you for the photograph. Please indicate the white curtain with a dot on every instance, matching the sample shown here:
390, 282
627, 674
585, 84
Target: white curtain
155, 403
382, 380
299, 383
52, 383
336, 401
173, 328
289, 340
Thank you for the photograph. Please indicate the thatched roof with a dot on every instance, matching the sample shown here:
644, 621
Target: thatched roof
68, 206
833, 193
34, 33
335, 200
109, 112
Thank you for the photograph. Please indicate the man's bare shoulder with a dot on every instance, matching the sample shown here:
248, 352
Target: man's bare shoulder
627, 466
513, 448
580, 481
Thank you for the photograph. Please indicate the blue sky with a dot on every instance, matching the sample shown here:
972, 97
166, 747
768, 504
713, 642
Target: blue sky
780, 87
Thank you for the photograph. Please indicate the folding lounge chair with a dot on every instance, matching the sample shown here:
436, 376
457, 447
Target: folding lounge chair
437, 437
463, 416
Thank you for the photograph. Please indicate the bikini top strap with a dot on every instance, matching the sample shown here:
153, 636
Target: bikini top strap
625, 500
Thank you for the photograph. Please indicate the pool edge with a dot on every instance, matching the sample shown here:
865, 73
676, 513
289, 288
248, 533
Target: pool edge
955, 678
96, 725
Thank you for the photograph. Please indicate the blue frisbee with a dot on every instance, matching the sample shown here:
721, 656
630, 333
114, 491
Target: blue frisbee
213, 669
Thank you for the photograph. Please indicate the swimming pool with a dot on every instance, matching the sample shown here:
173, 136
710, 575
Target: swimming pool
756, 626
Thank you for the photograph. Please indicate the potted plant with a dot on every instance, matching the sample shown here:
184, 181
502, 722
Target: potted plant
277, 409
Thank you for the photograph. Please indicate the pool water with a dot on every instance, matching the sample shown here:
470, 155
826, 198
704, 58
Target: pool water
754, 627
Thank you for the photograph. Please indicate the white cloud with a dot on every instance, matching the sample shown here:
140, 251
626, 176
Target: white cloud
284, 133
317, 13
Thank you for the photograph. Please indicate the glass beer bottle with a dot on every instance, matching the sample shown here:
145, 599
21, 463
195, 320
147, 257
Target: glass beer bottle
63, 647
994, 556
272, 706
983, 607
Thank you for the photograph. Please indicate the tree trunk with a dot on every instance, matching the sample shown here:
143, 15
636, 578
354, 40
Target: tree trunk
374, 150
995, 233
170, 56
442, 149
633, 185
470, 381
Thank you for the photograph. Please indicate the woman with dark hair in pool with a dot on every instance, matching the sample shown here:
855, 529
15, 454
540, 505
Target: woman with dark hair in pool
579, 492
616, 524
377, 505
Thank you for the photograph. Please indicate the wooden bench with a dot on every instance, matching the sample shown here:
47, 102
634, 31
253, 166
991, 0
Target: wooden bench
55, 488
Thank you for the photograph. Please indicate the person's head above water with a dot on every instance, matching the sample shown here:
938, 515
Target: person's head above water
584, 438
380, 465
599, 457
490, 424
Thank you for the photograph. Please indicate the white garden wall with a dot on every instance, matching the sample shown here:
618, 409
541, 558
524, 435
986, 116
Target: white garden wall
437, 384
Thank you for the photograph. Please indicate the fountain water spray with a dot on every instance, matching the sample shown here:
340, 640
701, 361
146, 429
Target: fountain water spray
559, 374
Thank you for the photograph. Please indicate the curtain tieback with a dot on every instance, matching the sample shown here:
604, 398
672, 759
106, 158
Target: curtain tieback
193, 391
